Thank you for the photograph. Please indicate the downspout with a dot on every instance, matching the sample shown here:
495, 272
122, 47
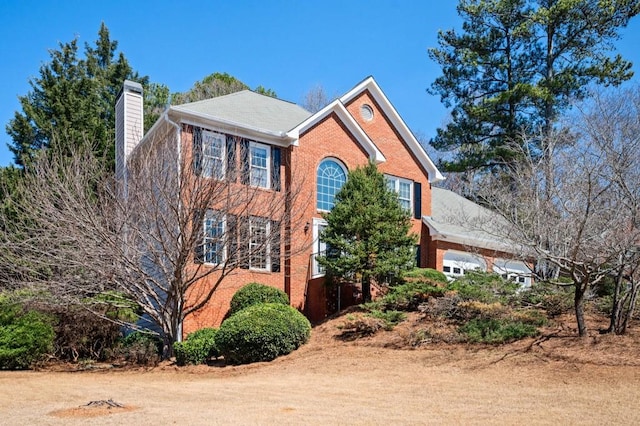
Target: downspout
165, 117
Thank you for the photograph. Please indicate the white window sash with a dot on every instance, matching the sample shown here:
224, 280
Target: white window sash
264, 182
260, 248
209, 167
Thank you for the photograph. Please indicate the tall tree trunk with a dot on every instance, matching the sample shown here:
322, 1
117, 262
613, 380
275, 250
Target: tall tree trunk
578, 304
616, 307
366, 288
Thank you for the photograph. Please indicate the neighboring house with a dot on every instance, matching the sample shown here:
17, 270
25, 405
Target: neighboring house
279, 144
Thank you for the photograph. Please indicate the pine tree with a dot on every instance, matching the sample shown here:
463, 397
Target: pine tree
516, 66
367, 231
72, 100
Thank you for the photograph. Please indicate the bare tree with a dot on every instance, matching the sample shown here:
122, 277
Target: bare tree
316, 99
177, 220
579, 214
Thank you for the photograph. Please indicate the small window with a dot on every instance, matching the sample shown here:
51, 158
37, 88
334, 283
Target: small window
213, 154
331, 176
260, 160
366, 112
457, 271
404, 189
446, 268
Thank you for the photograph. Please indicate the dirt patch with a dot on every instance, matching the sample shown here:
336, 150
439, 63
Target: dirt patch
94, 409
556, 378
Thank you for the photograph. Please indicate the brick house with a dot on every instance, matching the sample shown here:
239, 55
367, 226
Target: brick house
279, 145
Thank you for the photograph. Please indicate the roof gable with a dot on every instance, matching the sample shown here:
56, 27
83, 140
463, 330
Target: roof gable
370, 85
338, 108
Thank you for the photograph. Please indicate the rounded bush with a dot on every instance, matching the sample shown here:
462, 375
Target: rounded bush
197, 348
262, 333
255, 293
24, 338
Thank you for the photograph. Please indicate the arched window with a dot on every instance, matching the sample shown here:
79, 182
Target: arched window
331, 177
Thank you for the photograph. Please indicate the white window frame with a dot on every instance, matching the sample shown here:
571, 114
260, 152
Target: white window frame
319, 248
513, 270
211, 214
267, 168
346, 174
266, 244
208, 161
460, 262
394, 182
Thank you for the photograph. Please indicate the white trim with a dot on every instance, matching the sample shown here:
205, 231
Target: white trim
378, 95
235, 129
347, 119
315, 251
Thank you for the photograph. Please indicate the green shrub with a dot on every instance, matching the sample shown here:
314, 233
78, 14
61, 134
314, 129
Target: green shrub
494, 330
360, 325
262, 333
255, 293
408, 296
25, 337
197, 348
390, 318
484, 287
555, 300
141, 348
427, 274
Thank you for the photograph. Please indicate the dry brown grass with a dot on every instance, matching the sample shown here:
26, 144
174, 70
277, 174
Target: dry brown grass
554, 379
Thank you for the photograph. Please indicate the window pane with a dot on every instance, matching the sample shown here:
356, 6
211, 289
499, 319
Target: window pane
330, 179
404, 189
258, 246
213, 147
214, 240
260, 166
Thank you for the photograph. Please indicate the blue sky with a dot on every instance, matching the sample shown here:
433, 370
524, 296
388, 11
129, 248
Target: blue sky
286, 45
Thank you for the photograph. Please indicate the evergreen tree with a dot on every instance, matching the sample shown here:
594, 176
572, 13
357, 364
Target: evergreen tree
72, 100
515, 67
367, 231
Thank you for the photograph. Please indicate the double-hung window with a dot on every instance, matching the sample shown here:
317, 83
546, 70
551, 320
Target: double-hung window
213, 154
259, 246
213, 242
404, 189
259, 164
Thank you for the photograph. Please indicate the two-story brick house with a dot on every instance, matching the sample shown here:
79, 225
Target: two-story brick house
277, 145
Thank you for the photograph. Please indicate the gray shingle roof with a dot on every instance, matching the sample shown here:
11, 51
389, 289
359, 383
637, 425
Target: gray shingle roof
250, 109
459, 220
